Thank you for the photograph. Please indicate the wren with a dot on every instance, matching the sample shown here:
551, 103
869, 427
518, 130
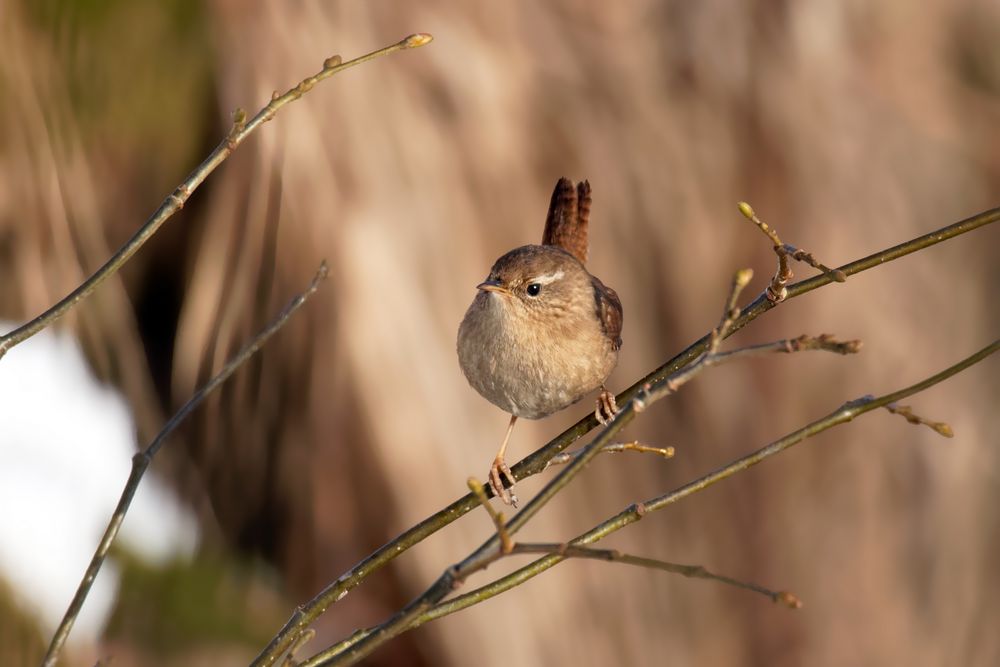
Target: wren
542, 332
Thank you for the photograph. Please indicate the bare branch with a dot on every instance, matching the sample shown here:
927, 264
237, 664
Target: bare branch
776, 291
175, 201
301, 641
695, 571
564, 551
506, 543
141, 461
615, 448
823, 342
635, 512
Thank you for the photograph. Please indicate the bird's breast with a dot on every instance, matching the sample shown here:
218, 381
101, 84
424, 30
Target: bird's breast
531, 366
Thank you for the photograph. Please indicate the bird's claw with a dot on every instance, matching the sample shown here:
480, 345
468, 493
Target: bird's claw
498, 472
607, 407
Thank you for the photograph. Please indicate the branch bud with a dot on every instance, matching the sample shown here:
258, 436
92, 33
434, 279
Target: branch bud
418, 39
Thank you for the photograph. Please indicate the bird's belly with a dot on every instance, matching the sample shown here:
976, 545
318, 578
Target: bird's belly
534, 383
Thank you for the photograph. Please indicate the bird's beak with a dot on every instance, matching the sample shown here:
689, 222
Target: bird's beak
491, 286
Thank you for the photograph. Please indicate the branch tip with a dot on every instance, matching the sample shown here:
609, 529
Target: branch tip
788, 599
743, 277
824, 342
477, 488
904, 411
746, 210
417, 39
614, 448
304, 638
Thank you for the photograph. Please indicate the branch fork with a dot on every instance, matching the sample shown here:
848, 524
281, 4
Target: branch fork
776, 291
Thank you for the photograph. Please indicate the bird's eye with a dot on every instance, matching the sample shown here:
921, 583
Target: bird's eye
533, 289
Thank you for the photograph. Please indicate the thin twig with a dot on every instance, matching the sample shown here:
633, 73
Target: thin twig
741, 279
506, 543
175, 201
804, 343
906, 413
564, 551
141, 461
537, 461
615, 448
634, 513
302, 640
776, 291
694, 571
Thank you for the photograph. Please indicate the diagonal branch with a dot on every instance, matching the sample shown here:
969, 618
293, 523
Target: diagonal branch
241, 129
564, 551
693, 571
141, 461
615, 448
536, 462
634, 513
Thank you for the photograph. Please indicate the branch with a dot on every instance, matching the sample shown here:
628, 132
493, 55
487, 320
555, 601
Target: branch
175, 201
141, 461
506, 544
537, 461
303, 639
694, 571
564, 551
632, 514
906, 413
776, 291
615, 448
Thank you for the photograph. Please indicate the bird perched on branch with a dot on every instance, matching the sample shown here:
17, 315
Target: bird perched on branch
542, 332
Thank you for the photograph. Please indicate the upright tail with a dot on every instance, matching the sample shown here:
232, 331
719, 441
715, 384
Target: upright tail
568, 218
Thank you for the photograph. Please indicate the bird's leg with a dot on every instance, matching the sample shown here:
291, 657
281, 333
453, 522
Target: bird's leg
500, 471
607, 408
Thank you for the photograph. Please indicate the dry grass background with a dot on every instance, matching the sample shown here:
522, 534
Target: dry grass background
849, 126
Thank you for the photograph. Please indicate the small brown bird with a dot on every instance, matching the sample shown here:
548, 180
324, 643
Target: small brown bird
542, 332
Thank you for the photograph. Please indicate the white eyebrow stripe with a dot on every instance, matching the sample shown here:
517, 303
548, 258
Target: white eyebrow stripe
547, 278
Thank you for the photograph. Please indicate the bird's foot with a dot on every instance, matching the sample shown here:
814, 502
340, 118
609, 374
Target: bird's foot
607, 407
500, 471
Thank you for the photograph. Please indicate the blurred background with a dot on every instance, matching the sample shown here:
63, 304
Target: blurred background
849, 126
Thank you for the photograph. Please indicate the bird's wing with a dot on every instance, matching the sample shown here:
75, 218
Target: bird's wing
609, 311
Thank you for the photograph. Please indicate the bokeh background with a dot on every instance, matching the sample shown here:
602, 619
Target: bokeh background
849, 126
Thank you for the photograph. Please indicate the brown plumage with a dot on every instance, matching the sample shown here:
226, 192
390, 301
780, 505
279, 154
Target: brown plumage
542, 332
569, 214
